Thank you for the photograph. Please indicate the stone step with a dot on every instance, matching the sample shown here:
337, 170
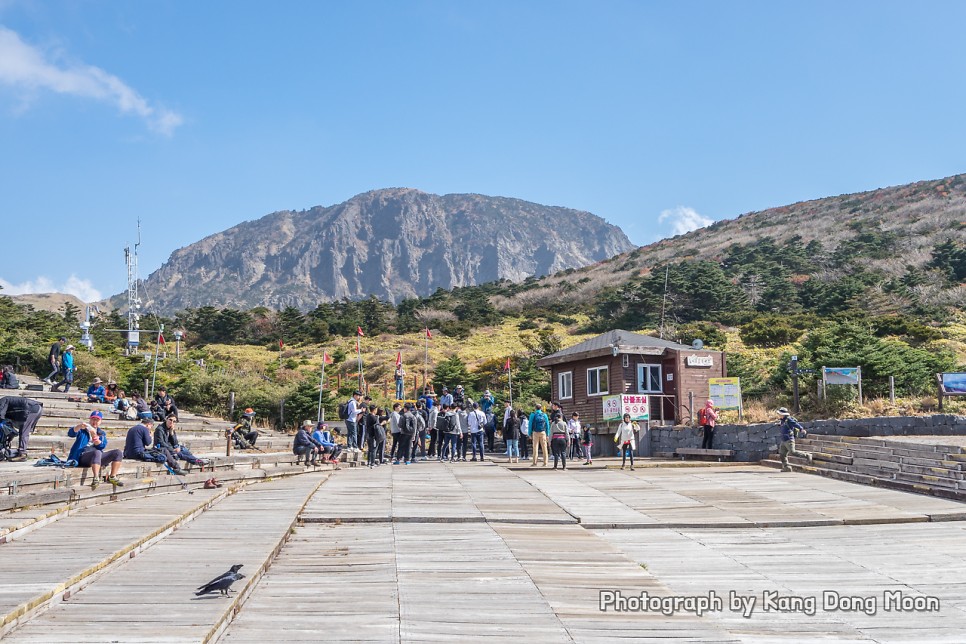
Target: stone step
926, 479
932, 462
955, 475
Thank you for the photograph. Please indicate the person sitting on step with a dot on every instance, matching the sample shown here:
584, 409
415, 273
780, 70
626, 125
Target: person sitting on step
139, 445
165, 435
243, 433
88, 450
305, 445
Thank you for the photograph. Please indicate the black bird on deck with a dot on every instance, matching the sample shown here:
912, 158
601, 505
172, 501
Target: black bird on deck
222, 583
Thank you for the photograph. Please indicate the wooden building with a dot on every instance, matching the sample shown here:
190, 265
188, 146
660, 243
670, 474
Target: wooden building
621, 362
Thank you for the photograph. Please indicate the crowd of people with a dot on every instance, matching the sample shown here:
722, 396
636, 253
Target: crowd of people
454, 427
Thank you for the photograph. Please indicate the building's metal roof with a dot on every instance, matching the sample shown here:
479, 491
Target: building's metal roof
604, 344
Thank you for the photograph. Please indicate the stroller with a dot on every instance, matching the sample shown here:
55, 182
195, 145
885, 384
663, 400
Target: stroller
8, 433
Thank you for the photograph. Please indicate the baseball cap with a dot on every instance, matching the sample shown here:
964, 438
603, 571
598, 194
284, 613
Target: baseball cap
96, 414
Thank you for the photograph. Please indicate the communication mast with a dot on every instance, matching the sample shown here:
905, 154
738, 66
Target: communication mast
133, 300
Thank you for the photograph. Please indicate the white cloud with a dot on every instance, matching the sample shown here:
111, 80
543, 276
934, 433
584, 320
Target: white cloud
684, 220
79, 288
30, 69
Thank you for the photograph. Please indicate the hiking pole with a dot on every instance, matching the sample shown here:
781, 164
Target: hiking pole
184, 484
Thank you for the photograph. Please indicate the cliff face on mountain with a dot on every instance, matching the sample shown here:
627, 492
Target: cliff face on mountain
392, 243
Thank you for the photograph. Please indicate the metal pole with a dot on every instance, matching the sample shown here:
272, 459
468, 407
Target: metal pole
359, 351
321, 386
157, 347
426, 363
231, 404
281, 414
509, 378
795, 405
690, 408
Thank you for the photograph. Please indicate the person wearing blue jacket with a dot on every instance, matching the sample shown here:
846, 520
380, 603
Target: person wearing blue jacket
305, 445
88, 450
327, 440
539, 425
66, 370
790, 428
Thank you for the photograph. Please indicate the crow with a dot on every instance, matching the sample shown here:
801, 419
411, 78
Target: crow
222, 583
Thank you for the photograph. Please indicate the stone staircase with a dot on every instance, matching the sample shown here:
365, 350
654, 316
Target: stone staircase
924, 468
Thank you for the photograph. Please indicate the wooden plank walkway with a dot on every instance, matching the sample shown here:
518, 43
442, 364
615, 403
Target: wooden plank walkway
151, 597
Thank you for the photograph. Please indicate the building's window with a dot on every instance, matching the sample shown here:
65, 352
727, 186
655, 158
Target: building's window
565, 385
597, 381
649, 378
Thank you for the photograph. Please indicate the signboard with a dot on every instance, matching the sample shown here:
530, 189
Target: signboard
699, 361
841, 375
953, 383
636, 405
726, 392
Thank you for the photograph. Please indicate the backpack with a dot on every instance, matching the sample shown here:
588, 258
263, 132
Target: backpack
539, 424
703, 418
344, 411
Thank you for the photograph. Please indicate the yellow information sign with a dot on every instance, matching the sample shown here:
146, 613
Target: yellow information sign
726, 392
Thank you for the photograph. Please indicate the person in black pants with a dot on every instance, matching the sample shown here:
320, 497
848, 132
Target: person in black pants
24, 414
524, 433
376, 436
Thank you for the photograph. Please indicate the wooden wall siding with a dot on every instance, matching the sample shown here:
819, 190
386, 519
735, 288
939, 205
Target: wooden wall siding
624, 380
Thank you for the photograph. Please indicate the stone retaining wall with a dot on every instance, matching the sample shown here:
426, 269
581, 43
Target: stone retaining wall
755, 442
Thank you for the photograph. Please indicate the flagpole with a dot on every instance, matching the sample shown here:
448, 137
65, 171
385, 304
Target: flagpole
426, 363
509, 377
321, 387
359, 351
157, 348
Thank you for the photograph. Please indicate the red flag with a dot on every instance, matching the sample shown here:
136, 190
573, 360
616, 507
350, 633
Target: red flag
326, 358
399, 358
280, 343
506, 367
160, 338
359, 332
428, 334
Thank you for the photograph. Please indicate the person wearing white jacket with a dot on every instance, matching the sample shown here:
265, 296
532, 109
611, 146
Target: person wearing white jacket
626, 439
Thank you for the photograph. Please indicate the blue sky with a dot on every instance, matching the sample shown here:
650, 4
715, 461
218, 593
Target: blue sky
196, 116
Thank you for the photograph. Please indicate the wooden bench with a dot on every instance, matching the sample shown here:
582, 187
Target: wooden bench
697, 451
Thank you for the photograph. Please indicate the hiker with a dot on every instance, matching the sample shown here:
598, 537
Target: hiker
790, 428
8, 379
53, 359
422, 427
559, 440
707, 418
626, 439
538, 425
475, 422
587, 442
243, 433
446, 399
452, 435
353, 410
331, 449
376, 436
400, 376
142, 408
164, 406
139, 445
88, 450
165, 435
459, 396
463, 438
394, 417
573, 426
407, 431
442, 439
110, 393
432, 416
524, 432
95, 393
305, 445
66, 370
511, 435
23, 413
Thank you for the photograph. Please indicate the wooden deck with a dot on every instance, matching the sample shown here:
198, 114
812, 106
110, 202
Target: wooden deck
471, 552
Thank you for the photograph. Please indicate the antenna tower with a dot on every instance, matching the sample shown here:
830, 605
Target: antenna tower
133, 300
